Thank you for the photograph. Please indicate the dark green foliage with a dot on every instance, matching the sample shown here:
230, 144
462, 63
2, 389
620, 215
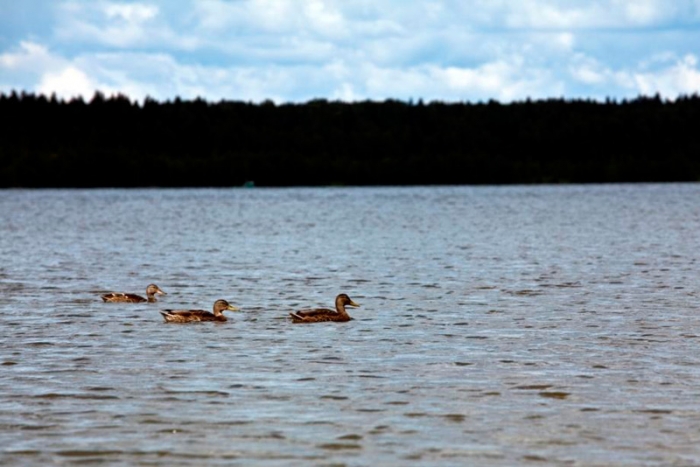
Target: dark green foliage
113, 142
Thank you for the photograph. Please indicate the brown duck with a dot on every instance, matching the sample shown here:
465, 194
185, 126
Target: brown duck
189, 316
151, 292
319, 315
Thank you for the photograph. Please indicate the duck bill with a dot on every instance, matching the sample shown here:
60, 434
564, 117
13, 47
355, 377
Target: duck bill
233, 308
353, 304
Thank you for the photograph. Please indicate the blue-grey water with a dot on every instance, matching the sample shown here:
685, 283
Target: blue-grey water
499, 326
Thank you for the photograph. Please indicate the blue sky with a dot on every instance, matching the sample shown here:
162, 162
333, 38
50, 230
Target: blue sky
297, 50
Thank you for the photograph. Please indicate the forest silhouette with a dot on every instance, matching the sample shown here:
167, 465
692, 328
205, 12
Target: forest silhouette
116, 142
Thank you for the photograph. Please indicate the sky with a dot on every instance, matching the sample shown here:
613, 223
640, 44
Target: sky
351, 50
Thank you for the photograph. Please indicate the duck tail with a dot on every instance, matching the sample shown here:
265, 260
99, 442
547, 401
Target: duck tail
296, 317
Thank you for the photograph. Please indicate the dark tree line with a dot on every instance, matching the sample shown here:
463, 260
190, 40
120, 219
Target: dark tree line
114, 142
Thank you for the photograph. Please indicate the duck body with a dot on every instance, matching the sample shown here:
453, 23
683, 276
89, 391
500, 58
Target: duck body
120, 297
192, 316
188, 316
320, 315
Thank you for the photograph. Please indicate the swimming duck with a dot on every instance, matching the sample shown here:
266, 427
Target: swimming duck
188, 316
151, 292
318, 315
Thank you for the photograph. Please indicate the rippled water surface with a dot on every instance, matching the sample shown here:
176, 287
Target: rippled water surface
544, 325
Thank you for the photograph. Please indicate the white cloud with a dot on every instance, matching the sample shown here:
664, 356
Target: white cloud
324, 19
642, 11
276, 17
683, 77
502, 79
130, 13
589, 71
279, 21
545, 15
51, 73
666, 75
490, 77
68, 83
117, 25
29, 57
577, 15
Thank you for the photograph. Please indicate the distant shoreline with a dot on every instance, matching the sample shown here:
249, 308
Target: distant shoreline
116, 143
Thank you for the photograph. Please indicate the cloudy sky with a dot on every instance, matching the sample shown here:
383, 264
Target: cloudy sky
297, 50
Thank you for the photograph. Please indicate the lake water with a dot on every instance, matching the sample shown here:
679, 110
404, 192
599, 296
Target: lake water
521, 325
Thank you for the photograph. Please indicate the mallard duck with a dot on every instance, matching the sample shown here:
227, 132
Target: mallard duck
151, 292
188, 316
318, 315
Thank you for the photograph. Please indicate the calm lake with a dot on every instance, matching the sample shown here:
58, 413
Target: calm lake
499, 326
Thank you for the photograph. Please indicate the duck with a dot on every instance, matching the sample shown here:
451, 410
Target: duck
151, 292
319, 315
189, 316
